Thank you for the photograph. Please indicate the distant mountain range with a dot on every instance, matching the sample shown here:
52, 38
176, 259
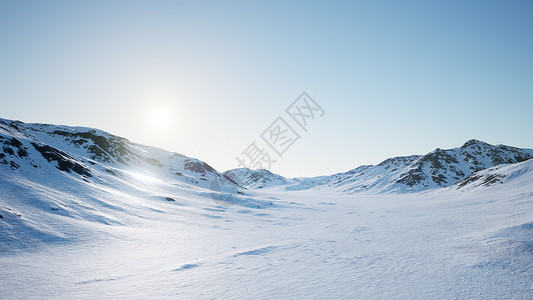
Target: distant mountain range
437, 169
92, 155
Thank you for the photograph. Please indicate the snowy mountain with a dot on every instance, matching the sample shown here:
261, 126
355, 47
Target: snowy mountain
91, 154
95, 156
437, 169
257, 179
91, 175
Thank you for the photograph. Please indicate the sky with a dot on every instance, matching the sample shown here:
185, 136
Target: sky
208, 78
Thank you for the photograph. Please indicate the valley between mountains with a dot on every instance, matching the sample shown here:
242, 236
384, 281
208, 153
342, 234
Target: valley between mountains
85, 214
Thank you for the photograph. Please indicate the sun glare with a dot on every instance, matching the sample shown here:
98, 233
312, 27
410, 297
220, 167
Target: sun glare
143, 177
160, 118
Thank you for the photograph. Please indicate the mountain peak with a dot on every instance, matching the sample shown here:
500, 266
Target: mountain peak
474, 142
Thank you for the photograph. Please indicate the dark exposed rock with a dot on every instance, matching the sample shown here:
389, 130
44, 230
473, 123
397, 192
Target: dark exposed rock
440, 179
64, 161
521, 157
8, 126
112, 172
103, 148
486, 180
492, 179
12, 146
412, 177
22, 153
228, 178
13, 165
13, 142
198, 166
8, 150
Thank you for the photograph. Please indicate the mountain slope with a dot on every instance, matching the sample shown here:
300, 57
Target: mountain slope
518, 176
257, 179
85, 152
50, 172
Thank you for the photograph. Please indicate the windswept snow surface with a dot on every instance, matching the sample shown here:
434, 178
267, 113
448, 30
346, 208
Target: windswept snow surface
448, 244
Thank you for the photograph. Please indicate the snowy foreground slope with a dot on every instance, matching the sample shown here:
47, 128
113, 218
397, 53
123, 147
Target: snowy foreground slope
83, 226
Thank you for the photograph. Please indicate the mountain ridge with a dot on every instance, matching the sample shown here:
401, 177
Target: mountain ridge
436, 169
89, 152
92, 153
52, 175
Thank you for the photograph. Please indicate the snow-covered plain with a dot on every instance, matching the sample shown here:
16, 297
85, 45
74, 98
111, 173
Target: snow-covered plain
133, 231
447, 244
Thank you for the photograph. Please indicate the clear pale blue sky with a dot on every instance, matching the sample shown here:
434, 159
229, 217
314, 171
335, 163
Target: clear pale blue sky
394, 77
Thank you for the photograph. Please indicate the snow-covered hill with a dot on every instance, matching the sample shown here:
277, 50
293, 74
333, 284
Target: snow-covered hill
49, 171
437, 169
508, 176
257, 179
90, 154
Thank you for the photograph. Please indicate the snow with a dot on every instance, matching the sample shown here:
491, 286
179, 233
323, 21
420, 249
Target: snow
311, 245
144, 232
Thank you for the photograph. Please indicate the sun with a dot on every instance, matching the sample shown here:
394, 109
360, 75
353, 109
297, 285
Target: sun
160, 118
